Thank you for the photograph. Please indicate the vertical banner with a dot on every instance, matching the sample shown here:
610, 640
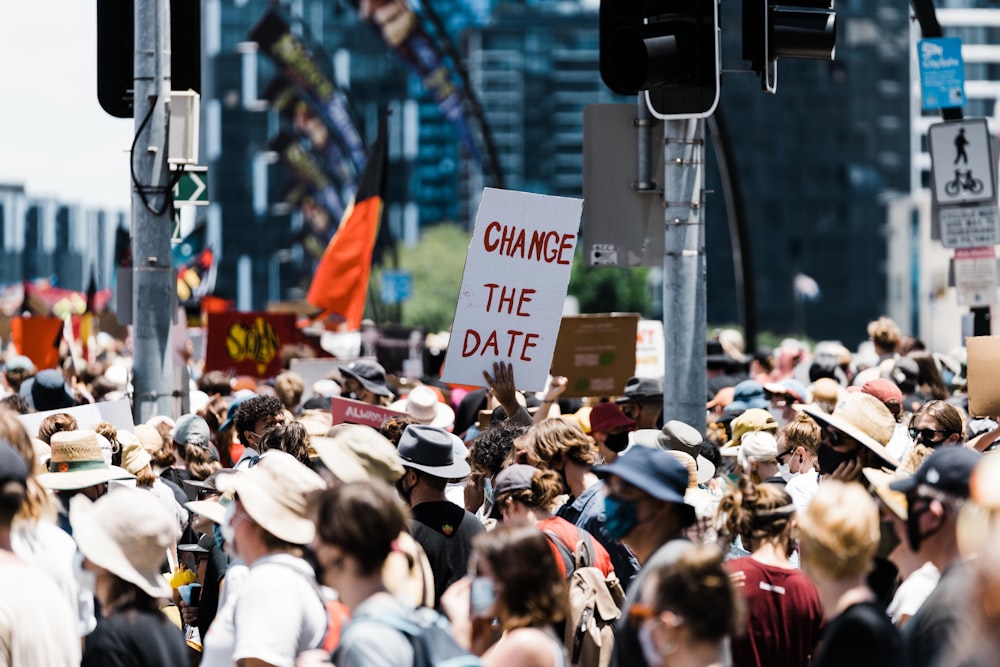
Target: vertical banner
400, 27
294, 59
248, 343
514, 287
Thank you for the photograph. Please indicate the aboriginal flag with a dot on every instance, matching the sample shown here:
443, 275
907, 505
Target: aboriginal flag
340, 284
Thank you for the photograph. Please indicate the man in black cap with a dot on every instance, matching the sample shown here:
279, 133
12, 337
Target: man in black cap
365, 381
645, 509
643, 402
431, 458
934, 496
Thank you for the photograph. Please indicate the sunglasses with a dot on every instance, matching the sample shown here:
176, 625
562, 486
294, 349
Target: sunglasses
784, 455
923, 434
834, 437
639, 613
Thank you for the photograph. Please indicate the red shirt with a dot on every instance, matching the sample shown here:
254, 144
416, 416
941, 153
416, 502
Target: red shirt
570, 535
784, 616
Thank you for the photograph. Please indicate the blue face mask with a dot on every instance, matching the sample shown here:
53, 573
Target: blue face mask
488, 490
620, 517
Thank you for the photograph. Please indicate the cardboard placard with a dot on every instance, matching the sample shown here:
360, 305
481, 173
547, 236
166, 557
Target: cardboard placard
248, 343
596, 353
983, 375
313, 370
348, 411
513, 288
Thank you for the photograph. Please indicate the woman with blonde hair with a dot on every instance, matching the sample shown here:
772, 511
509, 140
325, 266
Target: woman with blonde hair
686, 610
775, 591
838, 536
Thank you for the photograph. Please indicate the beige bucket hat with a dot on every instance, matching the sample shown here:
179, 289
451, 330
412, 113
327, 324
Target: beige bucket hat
127, 532
356, 452
276, 493
76, 462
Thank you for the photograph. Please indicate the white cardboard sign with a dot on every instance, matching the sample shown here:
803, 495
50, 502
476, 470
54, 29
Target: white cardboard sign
117, 413
513, 288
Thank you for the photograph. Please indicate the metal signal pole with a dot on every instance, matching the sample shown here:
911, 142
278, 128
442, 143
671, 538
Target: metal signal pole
153, 286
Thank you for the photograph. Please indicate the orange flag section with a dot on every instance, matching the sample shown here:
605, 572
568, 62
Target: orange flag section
38, 339
340, 284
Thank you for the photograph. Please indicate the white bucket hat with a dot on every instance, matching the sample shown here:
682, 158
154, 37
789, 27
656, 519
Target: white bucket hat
276, 493
77, 462
423, 405
127, 532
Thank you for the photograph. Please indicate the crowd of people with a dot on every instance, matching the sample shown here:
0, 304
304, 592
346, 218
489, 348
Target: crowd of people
834, 509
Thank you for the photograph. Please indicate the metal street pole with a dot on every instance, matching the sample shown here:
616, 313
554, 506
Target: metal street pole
684, 310
152, 284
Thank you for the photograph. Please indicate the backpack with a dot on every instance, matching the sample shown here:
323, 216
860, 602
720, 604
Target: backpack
429, 634
595, 605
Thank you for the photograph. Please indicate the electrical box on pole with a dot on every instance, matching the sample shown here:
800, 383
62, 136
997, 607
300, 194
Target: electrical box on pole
668, 48
116, 44
774, 30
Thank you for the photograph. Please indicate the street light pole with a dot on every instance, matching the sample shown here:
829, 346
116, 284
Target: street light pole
685, 383
153, 287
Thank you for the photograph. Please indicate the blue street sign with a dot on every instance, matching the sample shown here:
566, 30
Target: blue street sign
396, 286
942, 72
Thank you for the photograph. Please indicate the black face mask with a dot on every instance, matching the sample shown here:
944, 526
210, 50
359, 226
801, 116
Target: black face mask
888, 540
914, 538
616, 442
829, 459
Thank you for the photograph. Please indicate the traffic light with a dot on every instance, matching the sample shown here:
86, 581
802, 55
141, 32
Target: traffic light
772, 31
669, 48
115, 51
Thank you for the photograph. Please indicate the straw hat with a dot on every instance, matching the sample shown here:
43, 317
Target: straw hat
423, 405
356, 452
879, 481
127, 532
276, 493
77, 462
862, 417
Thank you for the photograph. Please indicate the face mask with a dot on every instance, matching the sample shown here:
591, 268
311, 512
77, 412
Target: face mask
85, 579
913, 535
488, 491
888, 540
616, 442
482, 596
620, 517
648, 645
218, 538
829, 459
785, 473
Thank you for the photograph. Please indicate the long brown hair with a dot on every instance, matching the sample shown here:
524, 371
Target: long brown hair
532, 592
36, 504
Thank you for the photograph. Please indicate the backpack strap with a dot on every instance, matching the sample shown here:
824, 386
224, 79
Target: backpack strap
568, 556
581, 556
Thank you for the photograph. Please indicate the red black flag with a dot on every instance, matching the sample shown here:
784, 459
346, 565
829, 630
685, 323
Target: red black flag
340, 284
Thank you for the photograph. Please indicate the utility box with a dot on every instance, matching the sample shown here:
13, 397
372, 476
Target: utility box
182, 147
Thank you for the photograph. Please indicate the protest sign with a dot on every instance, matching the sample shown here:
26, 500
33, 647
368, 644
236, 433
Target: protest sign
596, 353
348, 411
248, 343
513, 287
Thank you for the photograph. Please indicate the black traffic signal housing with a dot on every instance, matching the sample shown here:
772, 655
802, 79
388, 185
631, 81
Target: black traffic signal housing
771, 31
115, 51
668, 48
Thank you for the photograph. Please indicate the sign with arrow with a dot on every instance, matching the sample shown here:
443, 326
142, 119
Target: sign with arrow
191, 189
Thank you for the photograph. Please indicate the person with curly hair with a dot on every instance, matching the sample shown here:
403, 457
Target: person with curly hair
291, 438
252, 417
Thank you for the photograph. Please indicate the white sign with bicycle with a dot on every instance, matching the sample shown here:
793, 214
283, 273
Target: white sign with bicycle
962, 162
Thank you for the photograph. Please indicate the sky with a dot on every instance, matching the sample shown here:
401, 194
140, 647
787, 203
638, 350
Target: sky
55, 139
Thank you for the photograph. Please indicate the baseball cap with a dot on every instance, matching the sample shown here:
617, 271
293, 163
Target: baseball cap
947, 470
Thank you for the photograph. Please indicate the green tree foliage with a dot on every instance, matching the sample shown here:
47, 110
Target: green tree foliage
609, 289
436, 263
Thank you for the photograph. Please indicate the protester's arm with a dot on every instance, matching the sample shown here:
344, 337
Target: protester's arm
501, 383
549, 407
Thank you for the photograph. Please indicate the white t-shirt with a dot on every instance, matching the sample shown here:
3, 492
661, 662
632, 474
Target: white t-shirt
217, 645
913, 591
802, 488
279, 612
49, 548
36, 621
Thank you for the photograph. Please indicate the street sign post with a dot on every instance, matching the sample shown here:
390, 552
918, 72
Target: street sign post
969, 226
962, 162
976, 276
942, 72
191, 188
